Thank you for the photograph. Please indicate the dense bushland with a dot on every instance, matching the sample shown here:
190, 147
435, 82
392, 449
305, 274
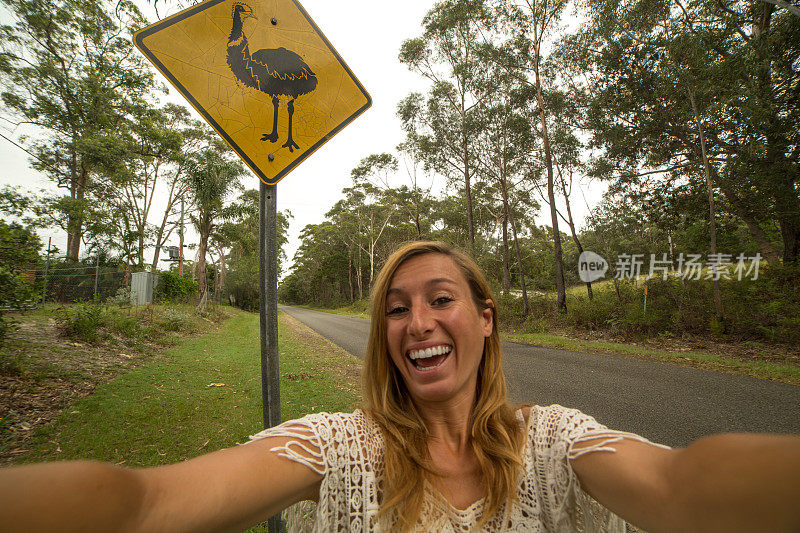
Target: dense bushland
765, 309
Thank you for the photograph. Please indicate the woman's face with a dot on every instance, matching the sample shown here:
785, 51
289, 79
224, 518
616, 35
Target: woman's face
435, 332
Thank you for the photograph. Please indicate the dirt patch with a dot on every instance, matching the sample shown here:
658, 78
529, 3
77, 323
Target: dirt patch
42, 373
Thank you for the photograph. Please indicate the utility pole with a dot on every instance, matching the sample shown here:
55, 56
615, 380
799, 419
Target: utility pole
180, 251
46, 270
96, 273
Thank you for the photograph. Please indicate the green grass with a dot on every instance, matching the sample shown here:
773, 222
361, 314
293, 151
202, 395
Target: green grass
758, 369
174, 408
200, 396
359, 309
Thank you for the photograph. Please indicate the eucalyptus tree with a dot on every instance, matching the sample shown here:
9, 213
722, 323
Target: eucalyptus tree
237, 241
317, 272
701, 91
169, 166
68, 69
507, 143
151, 140
416, 205
440, 124
212, 176
529, 28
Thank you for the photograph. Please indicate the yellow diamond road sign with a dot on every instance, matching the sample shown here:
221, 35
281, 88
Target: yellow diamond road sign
262, 74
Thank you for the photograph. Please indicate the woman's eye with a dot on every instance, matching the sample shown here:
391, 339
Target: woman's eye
396, 310
442, 300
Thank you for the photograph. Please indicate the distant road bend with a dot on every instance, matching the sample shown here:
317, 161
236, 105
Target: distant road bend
668, 404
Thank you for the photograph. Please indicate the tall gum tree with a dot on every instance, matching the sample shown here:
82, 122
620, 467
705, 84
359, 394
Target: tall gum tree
440, 125
68, 68
507, 143
643, 119
529, 25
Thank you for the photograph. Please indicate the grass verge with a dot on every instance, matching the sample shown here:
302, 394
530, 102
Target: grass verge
707, 361
200, 396
358, 310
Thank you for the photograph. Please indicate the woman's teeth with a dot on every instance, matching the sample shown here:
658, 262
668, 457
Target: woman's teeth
429, 358
429, 352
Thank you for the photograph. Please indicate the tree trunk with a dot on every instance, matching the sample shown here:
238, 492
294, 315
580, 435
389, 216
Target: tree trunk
350, 273
571, 224
508, 216
202, 276
712, 228
221, 278
756, 232
790, 231
359, 275
559, 260
75, 221
506, 269
467, 189
525, 307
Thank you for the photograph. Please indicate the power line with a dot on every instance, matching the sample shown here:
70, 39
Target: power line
24, 149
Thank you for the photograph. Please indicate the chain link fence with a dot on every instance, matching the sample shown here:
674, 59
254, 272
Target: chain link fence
61, 281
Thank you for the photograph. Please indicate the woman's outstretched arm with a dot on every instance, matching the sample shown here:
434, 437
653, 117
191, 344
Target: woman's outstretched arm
227, 490
731, 482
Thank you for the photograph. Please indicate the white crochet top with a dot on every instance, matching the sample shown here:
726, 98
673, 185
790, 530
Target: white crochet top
347, 449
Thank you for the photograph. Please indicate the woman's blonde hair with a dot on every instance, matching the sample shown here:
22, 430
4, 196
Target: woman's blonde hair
495, 435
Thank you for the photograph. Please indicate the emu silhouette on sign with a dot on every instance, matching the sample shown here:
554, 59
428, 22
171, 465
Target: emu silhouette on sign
274, 71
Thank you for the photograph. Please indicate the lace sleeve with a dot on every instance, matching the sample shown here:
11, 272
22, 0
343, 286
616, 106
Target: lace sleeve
346, 450
555, 433
304, 446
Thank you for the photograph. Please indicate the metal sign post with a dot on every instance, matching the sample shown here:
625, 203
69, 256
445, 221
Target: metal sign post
268, 259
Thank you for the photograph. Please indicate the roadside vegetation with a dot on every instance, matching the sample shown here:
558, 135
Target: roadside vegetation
759, 339
202, 394
58, 354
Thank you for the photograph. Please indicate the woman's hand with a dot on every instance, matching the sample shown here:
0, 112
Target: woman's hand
227, 490
732, 482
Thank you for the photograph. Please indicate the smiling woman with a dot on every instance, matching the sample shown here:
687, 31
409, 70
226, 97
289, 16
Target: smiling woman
437, 447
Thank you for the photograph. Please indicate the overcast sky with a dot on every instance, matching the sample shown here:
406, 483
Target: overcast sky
368, 36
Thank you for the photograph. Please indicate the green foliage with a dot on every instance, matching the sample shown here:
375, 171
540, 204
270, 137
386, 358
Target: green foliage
212, 175
83, 321
19, 248
175, 320
93, 322
173, 287
80, 105
765, 309
122, 297
656, 75
240, 233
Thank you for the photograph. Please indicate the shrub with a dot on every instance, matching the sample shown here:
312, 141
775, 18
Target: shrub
172, 287
83, 321
122, 298
125, 326
175, 320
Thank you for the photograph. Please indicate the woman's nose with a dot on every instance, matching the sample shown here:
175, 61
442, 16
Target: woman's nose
422, 321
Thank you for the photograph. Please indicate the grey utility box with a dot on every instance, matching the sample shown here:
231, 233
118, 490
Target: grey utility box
142, 288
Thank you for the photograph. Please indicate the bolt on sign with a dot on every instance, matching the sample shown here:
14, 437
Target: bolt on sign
262, 74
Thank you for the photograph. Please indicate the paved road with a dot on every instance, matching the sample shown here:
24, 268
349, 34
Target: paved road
668, 404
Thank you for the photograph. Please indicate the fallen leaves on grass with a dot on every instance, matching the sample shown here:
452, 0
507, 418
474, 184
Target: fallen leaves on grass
299, 376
